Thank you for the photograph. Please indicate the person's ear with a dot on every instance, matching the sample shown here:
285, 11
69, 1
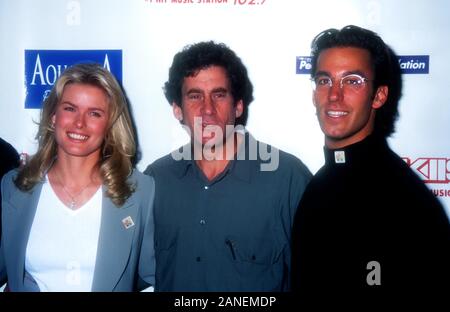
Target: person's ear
380, 97
239, 109
177, 111
53, 120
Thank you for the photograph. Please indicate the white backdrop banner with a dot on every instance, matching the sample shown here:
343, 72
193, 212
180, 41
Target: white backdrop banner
137, 39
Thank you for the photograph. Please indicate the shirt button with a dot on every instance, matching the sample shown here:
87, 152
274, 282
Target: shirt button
198, 259
206, 187
202, 222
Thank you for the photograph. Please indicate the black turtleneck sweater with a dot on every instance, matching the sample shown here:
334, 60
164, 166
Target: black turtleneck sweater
365, 204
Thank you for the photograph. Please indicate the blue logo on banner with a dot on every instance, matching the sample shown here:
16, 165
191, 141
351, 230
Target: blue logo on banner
414, 64
43, 67
303, 65
409, 64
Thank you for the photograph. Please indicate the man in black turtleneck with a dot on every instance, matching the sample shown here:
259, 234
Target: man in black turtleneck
366, 222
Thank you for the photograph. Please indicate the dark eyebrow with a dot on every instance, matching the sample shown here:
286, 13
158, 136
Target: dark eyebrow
349, 72
322, 73
355, 72
220, 89
193, 90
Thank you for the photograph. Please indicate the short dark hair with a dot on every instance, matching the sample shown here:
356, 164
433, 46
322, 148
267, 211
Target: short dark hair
198, 56
384, 63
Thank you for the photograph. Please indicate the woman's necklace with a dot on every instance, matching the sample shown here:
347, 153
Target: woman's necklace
73, 202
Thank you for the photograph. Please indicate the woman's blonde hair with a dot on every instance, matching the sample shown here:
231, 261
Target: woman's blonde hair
119, 145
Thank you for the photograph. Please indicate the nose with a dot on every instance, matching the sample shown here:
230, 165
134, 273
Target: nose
334, 92
80, 121
208, 106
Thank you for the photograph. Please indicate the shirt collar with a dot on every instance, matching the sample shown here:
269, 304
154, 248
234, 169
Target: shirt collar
361, 151
181, 166
241, 167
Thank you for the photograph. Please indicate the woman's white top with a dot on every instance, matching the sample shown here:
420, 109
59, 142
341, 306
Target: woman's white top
62, 247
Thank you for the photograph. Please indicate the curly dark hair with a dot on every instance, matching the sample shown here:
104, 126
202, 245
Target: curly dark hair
198, 56
384, 63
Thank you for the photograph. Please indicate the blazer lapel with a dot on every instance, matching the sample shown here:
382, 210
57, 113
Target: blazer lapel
114, 244
19, 227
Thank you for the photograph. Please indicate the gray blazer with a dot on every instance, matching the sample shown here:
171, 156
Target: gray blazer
125, 257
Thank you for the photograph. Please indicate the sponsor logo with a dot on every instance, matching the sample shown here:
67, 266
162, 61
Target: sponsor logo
303, 65
441, 192
414, 64
43, 67
409, 64
431, 170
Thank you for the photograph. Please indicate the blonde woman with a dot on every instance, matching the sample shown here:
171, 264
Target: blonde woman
78, 217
